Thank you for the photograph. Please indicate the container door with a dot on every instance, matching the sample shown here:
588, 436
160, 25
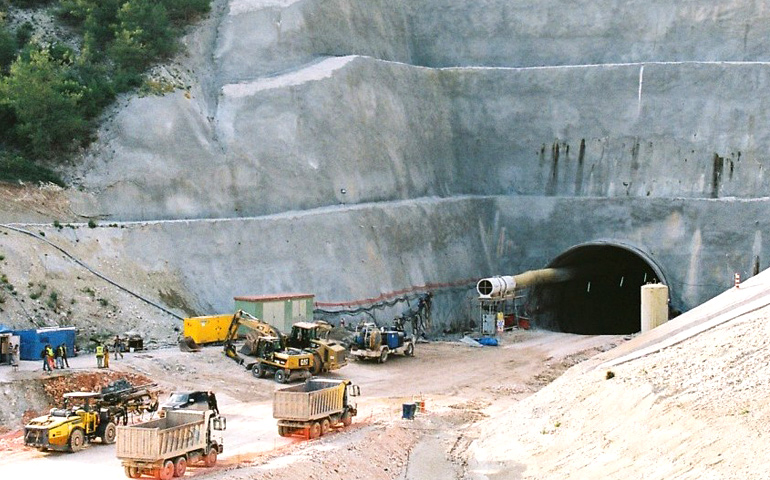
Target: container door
274, 314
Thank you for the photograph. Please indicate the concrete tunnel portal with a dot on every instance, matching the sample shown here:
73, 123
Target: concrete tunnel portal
604, 295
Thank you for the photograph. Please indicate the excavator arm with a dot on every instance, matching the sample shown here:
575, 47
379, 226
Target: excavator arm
257, 328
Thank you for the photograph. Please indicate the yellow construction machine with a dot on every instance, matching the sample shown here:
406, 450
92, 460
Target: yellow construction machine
86, 416
314, 337
265, 344
70, 428
307, 350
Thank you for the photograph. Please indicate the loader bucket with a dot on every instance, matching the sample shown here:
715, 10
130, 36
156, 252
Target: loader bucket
187, 344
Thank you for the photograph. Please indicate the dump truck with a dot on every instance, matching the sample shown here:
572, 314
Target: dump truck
164, 447
314, 407
372, 342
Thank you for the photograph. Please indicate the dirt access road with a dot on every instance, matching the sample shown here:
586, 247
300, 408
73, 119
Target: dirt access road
459, 384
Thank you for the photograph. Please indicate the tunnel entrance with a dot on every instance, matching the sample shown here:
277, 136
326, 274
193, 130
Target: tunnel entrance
604, 298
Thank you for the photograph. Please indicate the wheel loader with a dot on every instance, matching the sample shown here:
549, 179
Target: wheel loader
306, 351
314, 337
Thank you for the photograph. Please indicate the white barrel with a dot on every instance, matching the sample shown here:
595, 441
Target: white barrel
654, 306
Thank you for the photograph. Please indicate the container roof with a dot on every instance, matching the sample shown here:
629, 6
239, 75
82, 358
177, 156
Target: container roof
273, 297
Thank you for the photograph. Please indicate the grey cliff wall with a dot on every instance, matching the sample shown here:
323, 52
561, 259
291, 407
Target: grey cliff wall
553, 123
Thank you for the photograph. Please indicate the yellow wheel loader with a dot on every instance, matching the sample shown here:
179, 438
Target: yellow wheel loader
314, 337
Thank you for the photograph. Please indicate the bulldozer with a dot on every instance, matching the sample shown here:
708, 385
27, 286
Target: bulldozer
86, 416
265, 350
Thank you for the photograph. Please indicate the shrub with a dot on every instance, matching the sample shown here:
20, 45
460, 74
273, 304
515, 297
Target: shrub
14, 167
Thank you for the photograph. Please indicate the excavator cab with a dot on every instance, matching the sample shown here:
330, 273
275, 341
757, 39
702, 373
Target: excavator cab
267, 347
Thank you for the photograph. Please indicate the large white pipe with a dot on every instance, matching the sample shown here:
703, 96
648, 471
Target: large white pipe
504, 286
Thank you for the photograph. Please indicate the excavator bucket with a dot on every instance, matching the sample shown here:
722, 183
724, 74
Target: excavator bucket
187, 344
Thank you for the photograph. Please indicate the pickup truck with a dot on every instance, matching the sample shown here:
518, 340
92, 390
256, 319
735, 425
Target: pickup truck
314, 407
164, 447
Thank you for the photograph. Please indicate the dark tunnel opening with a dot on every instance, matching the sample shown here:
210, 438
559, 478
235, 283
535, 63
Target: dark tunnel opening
603, 299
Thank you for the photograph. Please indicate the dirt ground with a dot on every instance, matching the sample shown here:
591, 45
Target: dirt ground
460, 385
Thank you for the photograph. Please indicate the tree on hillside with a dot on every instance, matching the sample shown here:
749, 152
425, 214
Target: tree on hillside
7, 48
45, 103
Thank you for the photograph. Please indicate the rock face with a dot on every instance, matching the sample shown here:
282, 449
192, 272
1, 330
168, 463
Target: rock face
528, 129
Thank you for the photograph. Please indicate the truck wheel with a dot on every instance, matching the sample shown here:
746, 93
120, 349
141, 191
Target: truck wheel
281, 376
258, 370
315, 430
77, 440
325, 426
109, 434
132, 472
166, 472
347, 419
211, 458
283, 431
180, 466
409, 349
383, 355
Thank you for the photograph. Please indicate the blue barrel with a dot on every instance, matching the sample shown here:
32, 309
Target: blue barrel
408, 410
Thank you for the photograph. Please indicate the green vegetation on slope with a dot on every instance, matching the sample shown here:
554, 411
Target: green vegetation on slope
51, 93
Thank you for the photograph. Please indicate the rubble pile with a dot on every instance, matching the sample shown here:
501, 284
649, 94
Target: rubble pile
55, 387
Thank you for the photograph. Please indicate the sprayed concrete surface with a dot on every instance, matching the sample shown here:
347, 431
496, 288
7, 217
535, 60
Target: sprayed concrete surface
319, 106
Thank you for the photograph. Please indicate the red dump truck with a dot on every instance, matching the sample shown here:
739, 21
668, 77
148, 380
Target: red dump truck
163, 448
314, 407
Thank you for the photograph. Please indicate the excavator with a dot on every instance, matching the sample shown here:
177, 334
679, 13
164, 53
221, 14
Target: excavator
265, 350
306, 351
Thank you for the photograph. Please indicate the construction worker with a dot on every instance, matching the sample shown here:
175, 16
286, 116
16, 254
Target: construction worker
117, 346
213, 403
49, 357
99, 355
106, 357
15, 358
64, 360
44, 356
57, 357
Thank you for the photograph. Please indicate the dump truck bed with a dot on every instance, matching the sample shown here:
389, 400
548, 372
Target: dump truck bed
177, 433
311, 400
